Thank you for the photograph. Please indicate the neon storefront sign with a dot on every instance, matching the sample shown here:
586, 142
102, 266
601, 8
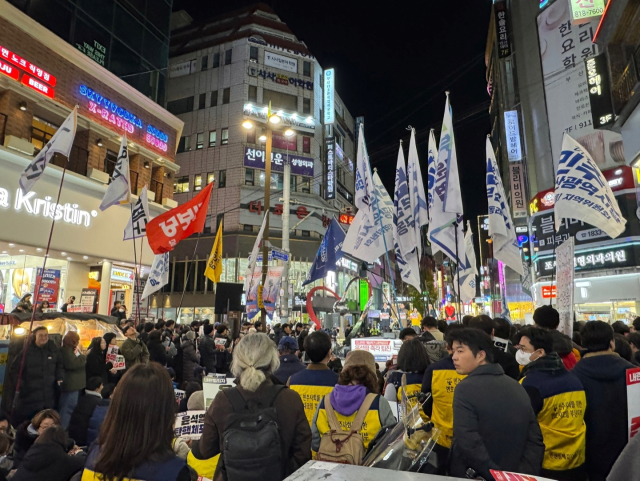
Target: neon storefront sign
33, 77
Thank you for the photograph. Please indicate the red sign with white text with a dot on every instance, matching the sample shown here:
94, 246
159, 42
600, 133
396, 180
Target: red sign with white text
38, 86
548, 292
633, 400
165, 231
27, 66
507, 476
9, 70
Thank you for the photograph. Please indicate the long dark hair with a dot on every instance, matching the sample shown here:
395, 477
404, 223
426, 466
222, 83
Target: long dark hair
413, 357
138, 427
95, 345
361, 375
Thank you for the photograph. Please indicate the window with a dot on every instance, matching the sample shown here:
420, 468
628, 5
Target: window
219, 218
210, 177
181, 185
202, 101
42, 132
180, 106
253, 53
205, 62
279, 100
251, 136
224, 138
253, 93
292, 183
306, 68
199, 140
197, 182
306, 106
306, 144
222, 180
305, 185
216, 60
110, 161
212, 138
306, 233
226, 95
276, 180
185, 144
249, 176
247, 228
227, 57
214, 99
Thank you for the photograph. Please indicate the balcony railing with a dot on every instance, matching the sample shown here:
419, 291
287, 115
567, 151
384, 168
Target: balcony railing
625, 86
78, 160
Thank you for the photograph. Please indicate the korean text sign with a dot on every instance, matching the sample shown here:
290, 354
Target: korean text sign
254, 158
633, 400
189, 425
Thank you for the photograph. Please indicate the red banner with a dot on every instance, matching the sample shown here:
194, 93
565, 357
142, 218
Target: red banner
165, 231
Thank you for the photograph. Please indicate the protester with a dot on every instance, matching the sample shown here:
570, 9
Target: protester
157, 350
635, 325
317, 380
119, 311
254, 359
51, 458
43, 370
413, 361
559, 402
28, 432
96, 365
6, 455
546, 317
189, 389
430, 324
357, 380
136, 437
205, 468
494, 426
502, 335
87, 404
133, 349
99, 413
208, 350
169, 328
69, 302
407, 334
432, 339
623, 348
301, 349
506, 360
627, 466
621, 328
634, 343
289, 362
42, 306
190, 358
603, 374
6, 427
75, 378
113, 375
24, 305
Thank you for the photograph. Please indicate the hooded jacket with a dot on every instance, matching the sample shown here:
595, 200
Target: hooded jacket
79, 424
48, 462
190, 360
290, 364
603, 375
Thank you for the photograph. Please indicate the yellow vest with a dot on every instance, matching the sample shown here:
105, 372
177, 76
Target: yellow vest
205, 468
443, 386
370, 426
311, 396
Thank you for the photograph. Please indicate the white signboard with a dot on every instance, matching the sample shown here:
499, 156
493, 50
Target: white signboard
564, 283
211, 385
633, 400
181, 69
189, 425
513, 135
329, 96
382, 349
280, 61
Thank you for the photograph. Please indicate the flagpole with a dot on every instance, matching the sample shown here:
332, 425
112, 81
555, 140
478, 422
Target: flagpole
455, 233
137, 276
140, 276
187, 280
37, 292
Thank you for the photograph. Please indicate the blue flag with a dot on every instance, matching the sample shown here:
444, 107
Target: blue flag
329, 253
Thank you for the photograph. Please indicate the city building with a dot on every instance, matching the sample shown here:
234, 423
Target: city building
130, 38
223, 72
42, 78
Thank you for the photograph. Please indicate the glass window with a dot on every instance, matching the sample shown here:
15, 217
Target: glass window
251, 136
249, 176
253, 93
154, 50
306, 106
216, 60
178, 277
219, 218
185, 144
227, 57
226, 95
54, 15
212, 138
180, 106
205, 62
222, 179
202, 101
199, 140
253, 53
158, 14
306, 144
41, 132
292, 183
110, 161
210, 177
95, 42
214, 99
306, 233
224, 138
197, 182
181, 184
247, 228
306, 68
305, 185
277, 181
101, 11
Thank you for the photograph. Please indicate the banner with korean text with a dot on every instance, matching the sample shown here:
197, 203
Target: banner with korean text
633, 400
564, 283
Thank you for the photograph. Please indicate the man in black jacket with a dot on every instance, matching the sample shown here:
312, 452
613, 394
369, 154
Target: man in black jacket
83, 411
494, 426
42, 370
208, 349
506, 360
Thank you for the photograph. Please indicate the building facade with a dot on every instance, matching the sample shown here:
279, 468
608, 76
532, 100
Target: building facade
42, 78
223, 72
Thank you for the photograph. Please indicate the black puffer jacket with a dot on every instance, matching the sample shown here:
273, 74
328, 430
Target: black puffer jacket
190, 361
208, 353
48, 462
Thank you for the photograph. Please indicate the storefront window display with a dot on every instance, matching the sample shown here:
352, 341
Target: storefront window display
616, 310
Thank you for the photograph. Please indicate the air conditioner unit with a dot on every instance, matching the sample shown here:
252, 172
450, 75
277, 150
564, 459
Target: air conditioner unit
169, 203
21, 145
98, 175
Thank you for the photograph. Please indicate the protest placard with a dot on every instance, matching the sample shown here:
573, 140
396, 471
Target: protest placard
212, 384
112, 353
119, 364
189, 425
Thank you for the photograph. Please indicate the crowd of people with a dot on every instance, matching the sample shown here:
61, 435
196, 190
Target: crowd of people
525, 399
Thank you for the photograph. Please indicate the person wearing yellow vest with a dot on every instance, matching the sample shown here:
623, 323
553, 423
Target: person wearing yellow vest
413, 361
357, 379
559, 402
415, 318
440, 380
317, 380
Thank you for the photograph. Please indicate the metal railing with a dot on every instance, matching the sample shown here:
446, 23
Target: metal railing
157, 188
78, 160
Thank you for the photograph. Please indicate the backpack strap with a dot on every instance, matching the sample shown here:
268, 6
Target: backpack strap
240, 405
334, 425
272, 394
362, 412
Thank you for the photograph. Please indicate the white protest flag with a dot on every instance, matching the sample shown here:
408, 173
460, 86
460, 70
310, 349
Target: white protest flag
582, 192
446, 212
468, 276
404, 235
363, 181
416, 192
159, 275
254, 256
60, 143
431, 172
137, 225
501, 229
119, 190
365, 237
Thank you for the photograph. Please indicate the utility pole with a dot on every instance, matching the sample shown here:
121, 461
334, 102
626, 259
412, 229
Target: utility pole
267, 208
285, 240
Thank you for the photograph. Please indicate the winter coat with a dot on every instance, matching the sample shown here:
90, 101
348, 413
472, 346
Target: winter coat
289, 365
157, 352
134, 352
494, 426
295, 435
97, 418
42, 369
208, 353
48, 462
26, 435
627, 466
507, 361
75, 377
603, 376
97, 366
190, 361
79, 424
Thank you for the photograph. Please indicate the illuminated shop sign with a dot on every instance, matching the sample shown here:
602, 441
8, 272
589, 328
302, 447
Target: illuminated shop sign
599, 91
329, 94
33, 77
611, 257
27, 66
260, 113
121, 118
330, 192
121, 274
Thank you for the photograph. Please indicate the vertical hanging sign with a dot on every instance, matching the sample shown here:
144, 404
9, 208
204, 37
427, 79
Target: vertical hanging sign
513, 135
329, 94
502, 29
329, 145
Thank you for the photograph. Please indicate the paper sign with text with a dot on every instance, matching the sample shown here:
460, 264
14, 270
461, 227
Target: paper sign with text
112, 353
189, 425
633, 400
506, 476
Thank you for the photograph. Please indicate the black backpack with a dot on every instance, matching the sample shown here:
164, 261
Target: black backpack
251, 446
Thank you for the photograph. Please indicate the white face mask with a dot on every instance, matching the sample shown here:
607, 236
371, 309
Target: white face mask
522, 357
121, 310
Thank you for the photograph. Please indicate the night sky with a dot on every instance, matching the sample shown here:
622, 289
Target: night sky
393, 66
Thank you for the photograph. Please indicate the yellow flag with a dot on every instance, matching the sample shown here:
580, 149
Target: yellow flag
214, 264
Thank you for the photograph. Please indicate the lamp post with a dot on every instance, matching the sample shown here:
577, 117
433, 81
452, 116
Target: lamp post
285, 227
